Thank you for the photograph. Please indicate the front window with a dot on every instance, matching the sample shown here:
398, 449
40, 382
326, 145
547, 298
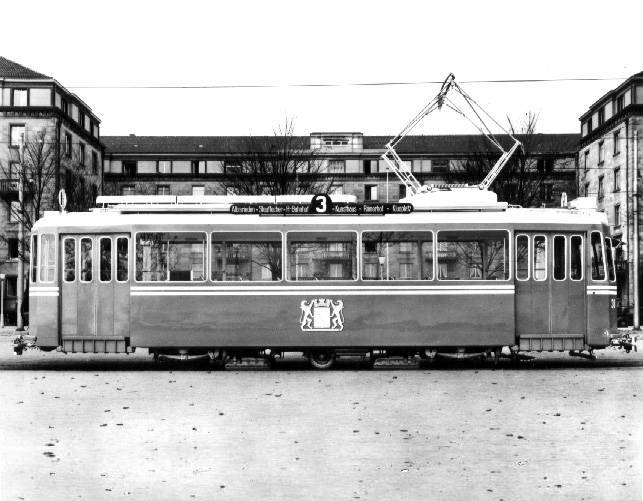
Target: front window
322, 256
397, 255
246, 256
473, 255
598, 261
173, 257
609, 254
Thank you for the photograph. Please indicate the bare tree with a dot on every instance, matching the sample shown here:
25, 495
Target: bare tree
82, 183
36, 169
283, 164
521, 181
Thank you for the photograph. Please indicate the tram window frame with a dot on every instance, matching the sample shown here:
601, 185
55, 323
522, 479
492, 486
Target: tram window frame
100, 259
553, 258
603, 261
582, 258
520, 235
533, 260
248, 239
356, 254
419, 254
75, 260
48, 266
167, 279
127, 261
507, 274
33, 258
609, 259
80, 262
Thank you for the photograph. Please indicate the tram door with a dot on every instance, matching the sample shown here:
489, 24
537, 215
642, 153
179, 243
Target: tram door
550, 288
95, 286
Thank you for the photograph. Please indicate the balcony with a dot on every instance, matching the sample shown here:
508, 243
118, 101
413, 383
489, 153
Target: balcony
9, 188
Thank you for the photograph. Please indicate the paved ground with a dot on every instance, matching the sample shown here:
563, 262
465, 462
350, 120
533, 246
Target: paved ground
120, 427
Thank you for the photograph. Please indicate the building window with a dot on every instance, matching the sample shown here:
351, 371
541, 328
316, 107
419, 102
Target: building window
367, 166
81, 154
64, 106
81, 119
164, 166
617, 142
336, 166
620, 103
129, 167
20, 97
601, 152
67, 145
12, 248
547, 192
402, 191
198, 167
586, 160
617, 215
600, 187
370, 192
16, 135
163, 189
589, 125
586, 189
601, 116
94, 162
198, 191
617, 179
14, 211
128, 190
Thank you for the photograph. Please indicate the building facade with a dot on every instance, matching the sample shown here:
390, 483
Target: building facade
58, 135
611, 144
202, 165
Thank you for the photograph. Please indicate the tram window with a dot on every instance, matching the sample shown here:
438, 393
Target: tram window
322, 256
34, 258
397, 255
70, 260
559, 257
522, 257
86, 259
598, 263
122, 259
246, 256
540, 257
473, 255
47, 257
610, 259
105, 259
576, 257
174, 257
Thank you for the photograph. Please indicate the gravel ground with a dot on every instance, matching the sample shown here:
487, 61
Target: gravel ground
121, 427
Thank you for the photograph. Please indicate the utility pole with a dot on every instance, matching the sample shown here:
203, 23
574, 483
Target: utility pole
635, 235
20, 282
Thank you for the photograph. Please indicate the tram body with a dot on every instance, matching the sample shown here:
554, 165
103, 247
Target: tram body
111, 281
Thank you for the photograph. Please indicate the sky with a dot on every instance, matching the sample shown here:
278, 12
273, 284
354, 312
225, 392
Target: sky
281, 43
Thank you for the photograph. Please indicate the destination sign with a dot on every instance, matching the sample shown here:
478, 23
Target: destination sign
339, 208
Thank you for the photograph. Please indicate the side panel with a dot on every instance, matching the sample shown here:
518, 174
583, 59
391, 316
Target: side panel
43, 316
368, 320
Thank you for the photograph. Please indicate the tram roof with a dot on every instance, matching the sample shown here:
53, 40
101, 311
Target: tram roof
104, 218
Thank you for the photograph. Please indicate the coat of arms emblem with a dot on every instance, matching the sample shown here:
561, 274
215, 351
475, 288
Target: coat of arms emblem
322, 314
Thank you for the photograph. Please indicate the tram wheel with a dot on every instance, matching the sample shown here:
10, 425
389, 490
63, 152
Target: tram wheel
322, 359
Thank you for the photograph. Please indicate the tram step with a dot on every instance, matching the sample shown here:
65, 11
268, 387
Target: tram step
396, 363
94, 345
249, 363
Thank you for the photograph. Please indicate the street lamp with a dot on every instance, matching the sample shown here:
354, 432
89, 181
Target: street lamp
20, 326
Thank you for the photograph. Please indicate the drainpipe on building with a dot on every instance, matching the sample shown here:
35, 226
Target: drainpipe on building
635, 233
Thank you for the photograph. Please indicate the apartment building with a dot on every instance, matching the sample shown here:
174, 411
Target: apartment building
610, 146
60, 140
203, 165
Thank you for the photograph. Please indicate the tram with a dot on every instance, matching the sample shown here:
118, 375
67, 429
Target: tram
245, 279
